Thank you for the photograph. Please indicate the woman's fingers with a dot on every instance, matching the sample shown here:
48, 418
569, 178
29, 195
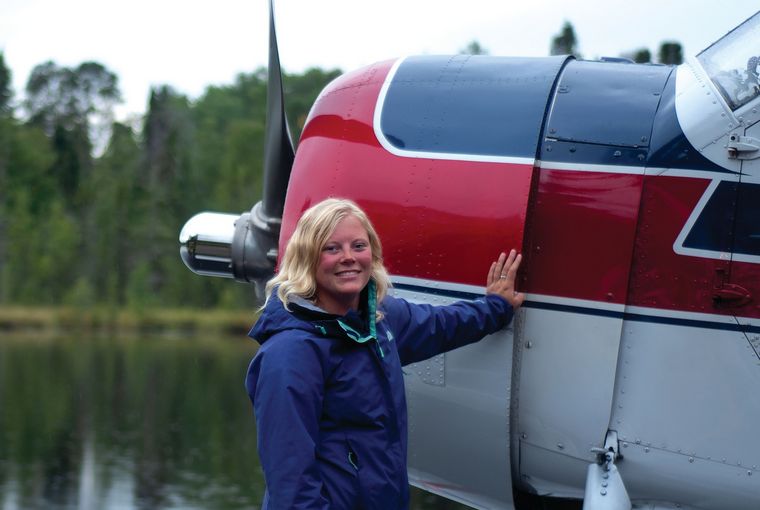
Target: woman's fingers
513, 265
502, 275
491, 274
509, 262
494, 272
506, 263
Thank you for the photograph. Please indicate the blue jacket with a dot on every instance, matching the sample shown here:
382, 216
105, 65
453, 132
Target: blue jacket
328, 396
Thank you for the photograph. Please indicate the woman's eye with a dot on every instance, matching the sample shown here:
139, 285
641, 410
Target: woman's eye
360, 246
330, 249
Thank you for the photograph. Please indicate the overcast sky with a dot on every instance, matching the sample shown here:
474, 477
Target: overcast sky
190, 44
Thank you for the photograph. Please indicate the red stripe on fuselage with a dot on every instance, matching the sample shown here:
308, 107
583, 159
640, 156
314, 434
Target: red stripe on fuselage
581, 231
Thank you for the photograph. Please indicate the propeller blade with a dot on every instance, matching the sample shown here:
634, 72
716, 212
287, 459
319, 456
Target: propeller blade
278, 149
245, 247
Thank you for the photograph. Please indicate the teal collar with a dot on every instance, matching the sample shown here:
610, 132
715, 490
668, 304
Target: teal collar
371, 312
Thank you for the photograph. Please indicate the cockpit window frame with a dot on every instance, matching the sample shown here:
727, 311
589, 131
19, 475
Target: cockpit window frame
734, 74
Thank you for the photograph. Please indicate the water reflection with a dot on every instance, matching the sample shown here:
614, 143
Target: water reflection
151, 423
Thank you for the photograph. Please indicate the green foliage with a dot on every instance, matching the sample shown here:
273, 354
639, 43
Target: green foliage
642, 56
116, 212
473, 48
670, 53
241, 159
139, 289
103, 230
57, 252
19, 235
565, 43
42, 252
69, 96
72, 163
81, 295
66, 103
169, 177
6, 93
27, 199
301, 91
28, 159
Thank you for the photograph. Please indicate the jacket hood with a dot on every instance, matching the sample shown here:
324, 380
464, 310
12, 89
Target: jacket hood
274, 319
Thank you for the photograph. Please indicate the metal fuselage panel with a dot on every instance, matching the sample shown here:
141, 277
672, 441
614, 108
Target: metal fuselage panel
581, 233
585, 167
687, 360
684, 360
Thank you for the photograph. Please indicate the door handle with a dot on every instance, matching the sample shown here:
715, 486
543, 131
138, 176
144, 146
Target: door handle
731, 295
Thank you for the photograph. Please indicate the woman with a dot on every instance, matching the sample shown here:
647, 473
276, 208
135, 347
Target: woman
326, 384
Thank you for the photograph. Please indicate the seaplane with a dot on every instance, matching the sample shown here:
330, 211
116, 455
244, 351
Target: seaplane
628, 378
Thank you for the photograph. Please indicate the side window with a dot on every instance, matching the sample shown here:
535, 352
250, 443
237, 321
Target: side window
704, 233
747, 242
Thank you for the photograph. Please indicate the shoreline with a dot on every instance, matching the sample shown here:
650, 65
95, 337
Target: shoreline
64, 320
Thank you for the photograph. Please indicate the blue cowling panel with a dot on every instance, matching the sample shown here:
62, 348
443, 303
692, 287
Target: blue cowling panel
620, 114
475, 105
607, 103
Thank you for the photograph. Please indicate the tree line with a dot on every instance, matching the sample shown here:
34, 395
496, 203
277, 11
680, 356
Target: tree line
566, 43
83, 229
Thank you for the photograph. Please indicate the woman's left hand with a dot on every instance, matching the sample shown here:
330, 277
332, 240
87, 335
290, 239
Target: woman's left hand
501, 278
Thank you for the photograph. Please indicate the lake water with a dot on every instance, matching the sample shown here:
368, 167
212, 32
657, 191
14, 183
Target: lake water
114, 423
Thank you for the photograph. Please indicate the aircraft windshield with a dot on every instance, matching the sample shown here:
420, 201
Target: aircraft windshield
733, 63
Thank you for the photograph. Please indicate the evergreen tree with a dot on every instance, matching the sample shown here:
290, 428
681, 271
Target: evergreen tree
115, 217
473, 48
73, 162
5, 133
670, 53
27, 197
565, 43
642, 56
6, 93
168, 179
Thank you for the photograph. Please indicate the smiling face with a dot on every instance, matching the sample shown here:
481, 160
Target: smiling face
344, 267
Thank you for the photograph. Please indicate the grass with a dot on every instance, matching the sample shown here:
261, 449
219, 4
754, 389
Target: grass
170, 321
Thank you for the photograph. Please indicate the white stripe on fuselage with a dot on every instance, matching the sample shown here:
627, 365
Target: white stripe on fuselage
434, 292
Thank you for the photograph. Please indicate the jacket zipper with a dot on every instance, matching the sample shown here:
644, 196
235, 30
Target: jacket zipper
352, 459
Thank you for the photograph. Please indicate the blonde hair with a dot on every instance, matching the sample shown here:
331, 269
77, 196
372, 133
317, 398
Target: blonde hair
296, 275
